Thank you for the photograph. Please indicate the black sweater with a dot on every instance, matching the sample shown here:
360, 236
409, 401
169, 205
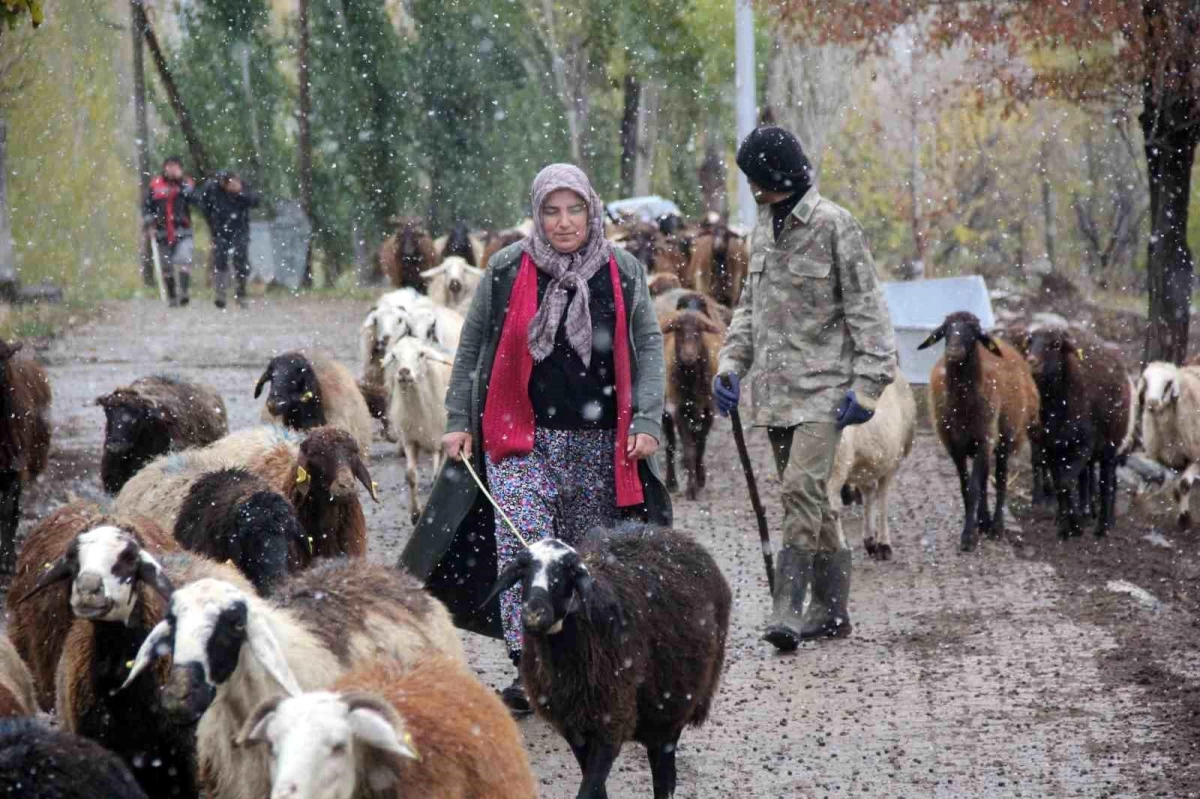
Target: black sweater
567, 395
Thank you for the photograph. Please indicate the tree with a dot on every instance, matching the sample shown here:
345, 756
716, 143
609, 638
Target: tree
1113, 52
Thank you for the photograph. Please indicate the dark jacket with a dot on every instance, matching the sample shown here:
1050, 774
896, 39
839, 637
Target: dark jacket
453, 548
167, 205
228, 214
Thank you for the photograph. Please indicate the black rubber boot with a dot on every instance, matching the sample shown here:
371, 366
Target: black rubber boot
513, 696
828, 615
239, 291
169, 283
185, 282
793, 572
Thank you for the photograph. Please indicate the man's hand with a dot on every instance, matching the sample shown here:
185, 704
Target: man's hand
457, 445
727, 397
640, 446
850, 412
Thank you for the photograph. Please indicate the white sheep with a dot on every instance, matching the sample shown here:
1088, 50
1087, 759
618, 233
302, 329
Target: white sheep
409, 314
1170, 400
417, 376
231, 651
453, 283
868, 457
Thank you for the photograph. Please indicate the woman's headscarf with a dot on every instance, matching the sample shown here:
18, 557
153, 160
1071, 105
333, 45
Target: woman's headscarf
567, 271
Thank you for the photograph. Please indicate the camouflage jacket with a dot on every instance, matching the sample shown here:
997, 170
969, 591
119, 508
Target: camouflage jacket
812, 320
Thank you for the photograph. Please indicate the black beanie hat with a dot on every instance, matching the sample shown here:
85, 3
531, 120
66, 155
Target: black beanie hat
773, 159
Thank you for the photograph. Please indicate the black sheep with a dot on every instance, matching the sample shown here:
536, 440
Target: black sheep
39, 763
624, 640
234, 515
1085, 413
458, 242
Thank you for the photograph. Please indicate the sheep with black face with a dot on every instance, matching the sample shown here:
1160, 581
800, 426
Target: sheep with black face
624, 641
310, 390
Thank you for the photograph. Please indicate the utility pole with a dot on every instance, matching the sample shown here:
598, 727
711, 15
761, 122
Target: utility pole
141, 133
745, 87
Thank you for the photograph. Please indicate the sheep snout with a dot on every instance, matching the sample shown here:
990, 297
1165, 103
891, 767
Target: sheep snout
187, 693
88, 597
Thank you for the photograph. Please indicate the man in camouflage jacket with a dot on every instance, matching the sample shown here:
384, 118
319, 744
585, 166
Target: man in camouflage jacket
813, 324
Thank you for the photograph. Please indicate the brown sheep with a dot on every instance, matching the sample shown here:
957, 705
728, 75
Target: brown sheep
39, 626
152, 416
662, 283
17, 694
984, 402
24, 439
497, 241
720, 260
427, 730
407, 253
691, 342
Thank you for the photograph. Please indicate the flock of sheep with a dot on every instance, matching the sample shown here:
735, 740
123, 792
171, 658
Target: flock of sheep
218, 631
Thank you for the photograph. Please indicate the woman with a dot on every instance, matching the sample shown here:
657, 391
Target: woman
559, 379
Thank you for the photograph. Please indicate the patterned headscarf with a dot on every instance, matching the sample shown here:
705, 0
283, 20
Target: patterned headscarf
567, 271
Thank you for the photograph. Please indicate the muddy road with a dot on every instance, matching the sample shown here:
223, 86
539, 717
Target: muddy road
1012, 671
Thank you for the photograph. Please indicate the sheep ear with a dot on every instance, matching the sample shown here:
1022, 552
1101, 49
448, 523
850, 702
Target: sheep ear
62, 570
255, 729
149, 651
511, 575
434, 272
438, 355
359, 470
105, 400
474, 271
1173, 388
150, 572
671, 324
599, 603
262, 381
374, 729
937, 335
990, 345
707, 325
266, 650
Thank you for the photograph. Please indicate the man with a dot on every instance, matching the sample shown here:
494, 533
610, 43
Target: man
167, 216
813, 322
227, 202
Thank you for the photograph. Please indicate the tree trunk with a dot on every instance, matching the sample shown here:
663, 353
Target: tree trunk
199, 159
712, 173
8, 268
142, 134
304, 135
629, 133
1170, 121
647, 120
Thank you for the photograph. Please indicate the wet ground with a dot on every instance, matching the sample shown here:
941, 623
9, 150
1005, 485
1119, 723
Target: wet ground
1011, 671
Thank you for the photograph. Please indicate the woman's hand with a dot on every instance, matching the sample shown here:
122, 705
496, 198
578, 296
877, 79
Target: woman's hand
640, 446
457, 445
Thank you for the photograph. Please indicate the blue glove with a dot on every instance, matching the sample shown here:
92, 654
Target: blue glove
727, 396
850, 412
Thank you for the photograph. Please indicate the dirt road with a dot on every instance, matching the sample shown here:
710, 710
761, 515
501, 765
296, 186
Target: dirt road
1012, 671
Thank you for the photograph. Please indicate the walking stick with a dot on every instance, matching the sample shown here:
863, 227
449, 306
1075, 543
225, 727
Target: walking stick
739, 437
158, 270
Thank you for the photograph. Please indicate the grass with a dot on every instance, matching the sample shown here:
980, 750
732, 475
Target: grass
43, 320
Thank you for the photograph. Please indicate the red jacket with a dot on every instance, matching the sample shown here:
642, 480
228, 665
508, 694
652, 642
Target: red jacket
168, 206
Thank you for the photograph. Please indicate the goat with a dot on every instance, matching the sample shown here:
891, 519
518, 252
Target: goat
316, 473
385, 731
1169, 396
417, 376
38, 601
720, 261
406, 253
984, 402
868, 456
152, 416
691, 342
1084, 417
452, 283
234, 515
17, 694
310, 390
624, 640
39, 763
24, 439
232, 650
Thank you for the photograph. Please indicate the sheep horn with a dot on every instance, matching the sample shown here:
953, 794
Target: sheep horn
148, 651
253, 731
60, 571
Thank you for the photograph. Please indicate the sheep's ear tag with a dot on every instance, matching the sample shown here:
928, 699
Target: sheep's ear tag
301, 474
308, 540
306, 396
1079, 352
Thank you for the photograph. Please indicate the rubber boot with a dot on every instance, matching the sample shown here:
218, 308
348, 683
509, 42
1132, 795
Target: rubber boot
169, 283
828, 615
513, 696
239, 291
185, 282
793, 572
221, 285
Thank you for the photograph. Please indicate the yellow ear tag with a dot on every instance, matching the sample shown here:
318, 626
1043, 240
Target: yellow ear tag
310, 549
301, 475
306, 396
129, 664
408, 741
1079, 352
374, 487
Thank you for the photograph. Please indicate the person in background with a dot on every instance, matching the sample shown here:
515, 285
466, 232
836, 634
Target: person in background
166, 215
813, 324
226, 202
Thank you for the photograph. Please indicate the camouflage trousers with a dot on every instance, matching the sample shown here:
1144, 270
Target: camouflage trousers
804, 459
